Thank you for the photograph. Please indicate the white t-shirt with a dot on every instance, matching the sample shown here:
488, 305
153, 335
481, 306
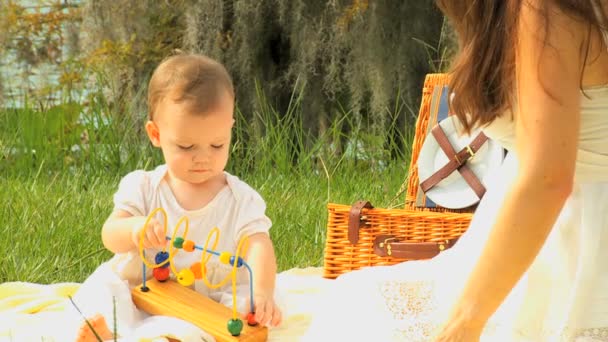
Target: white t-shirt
237, 210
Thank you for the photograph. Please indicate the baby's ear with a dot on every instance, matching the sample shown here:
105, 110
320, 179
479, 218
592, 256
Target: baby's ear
153, 133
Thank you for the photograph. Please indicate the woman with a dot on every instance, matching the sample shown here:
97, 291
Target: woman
532, 266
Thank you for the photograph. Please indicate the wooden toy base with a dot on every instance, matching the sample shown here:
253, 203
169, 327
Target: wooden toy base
172, 299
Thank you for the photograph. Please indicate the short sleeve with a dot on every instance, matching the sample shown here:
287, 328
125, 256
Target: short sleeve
252, 216
130, 196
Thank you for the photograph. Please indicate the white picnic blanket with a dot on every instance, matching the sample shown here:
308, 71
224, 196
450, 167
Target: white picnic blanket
37, 312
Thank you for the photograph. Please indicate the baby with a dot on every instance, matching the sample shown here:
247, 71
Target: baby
191, 104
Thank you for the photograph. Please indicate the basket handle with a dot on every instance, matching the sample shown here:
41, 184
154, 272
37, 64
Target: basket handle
355, 218
390, 245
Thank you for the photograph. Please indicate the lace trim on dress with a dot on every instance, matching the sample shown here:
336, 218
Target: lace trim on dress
592, 335
415, 312
413, 307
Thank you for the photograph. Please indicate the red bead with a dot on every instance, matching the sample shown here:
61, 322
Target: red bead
161, 273
251, 319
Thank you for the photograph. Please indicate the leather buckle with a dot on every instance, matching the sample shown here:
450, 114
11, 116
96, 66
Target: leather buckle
471, 153
470, 150
442, 245
386, 243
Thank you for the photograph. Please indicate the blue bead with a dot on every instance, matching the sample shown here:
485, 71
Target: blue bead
161, 257
239, 263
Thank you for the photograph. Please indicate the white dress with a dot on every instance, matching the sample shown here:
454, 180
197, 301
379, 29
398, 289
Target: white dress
562, 297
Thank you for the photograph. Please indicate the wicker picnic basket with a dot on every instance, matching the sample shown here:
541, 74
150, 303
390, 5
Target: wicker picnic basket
359, 235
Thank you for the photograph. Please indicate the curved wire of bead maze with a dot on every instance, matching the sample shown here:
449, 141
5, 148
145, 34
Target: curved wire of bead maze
186, 277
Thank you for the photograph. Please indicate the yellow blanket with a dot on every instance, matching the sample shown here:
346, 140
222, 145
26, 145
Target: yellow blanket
27, 298
25, 307
35, 307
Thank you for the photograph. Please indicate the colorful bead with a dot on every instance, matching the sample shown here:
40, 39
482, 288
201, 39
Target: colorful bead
235, 326
161, 273
225, 257
251, 319
238, 264
197, 269
185, 277
188, 246
161, 257
178, 242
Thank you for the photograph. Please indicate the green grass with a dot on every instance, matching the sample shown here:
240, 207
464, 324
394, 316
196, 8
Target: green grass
51, 225
54, 201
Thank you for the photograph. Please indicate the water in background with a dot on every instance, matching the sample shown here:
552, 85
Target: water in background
19, 79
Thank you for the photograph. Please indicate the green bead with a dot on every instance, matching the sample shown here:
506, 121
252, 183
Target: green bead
235, 326
178, 242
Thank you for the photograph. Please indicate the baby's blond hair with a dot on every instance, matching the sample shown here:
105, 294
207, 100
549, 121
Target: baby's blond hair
194, 79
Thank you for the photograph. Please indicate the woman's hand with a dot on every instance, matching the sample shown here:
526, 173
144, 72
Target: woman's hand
463, 325
459, 329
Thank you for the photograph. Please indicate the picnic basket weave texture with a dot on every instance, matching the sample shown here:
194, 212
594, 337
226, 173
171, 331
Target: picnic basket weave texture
360, 236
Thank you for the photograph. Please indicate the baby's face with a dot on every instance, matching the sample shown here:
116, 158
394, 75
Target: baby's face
195, 146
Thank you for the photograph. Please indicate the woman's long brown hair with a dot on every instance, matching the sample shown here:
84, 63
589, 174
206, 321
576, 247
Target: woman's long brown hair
483, 71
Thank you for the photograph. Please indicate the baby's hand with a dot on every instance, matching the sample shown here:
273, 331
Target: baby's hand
154, 235
267, 311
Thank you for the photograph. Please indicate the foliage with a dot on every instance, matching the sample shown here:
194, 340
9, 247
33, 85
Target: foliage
36, 36
324, 91
35, 33
126, 39
356, 56
365, 57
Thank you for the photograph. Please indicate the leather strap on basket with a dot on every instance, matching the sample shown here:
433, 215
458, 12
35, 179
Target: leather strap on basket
354, 220
457, 162
389, 245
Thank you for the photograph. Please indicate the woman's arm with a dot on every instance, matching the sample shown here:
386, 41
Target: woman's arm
548, 81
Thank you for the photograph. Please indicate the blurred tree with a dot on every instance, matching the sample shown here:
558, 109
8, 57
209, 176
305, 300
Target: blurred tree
365, 58
369, 57
32, 36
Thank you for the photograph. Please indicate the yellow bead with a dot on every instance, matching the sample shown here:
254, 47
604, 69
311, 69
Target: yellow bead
185, 277
225, 258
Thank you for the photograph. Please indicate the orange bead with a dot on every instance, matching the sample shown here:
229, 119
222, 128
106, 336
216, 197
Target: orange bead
188, 245
197, 269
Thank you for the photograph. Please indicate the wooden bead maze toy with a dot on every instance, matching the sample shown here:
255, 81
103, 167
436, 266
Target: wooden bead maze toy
164, 296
